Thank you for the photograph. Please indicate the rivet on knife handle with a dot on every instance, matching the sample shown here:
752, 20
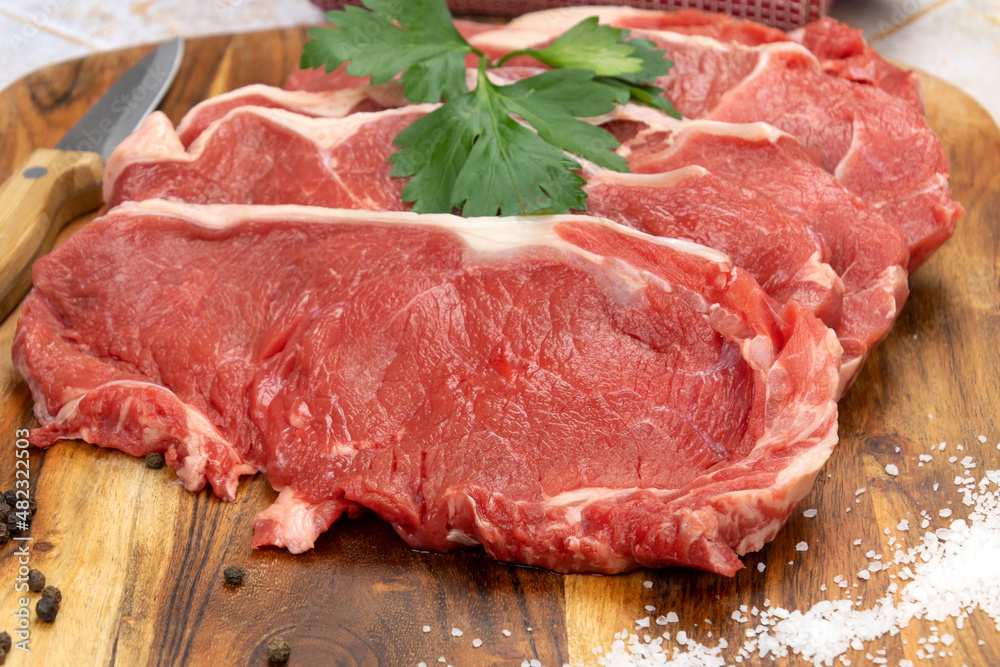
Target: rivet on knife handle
50, 189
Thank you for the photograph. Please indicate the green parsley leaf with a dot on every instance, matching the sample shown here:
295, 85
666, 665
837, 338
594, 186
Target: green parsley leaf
416, 37
589, 45
654, 62
474, 149
504, 150
641, 93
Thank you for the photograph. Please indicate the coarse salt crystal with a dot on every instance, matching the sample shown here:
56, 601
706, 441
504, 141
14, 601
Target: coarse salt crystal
903, 525
761, 567
802, 546
945, 513
455, 632
810, 513
892, 469
476, 643
982, 439
506, 633
426, 628
672, 618
858, 492
647, 584
864, 574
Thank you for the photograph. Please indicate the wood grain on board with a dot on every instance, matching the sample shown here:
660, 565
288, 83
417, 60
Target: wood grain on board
140, 561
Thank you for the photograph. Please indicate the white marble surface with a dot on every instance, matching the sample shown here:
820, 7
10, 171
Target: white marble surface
956, 40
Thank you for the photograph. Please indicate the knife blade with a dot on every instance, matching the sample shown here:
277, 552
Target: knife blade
56, 185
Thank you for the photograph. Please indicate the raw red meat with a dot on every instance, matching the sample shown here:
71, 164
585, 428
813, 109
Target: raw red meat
777, 248
258, 155
843, 52
324, 104
249, 156
564, 391
877, 143
867, 252
841, 49
878, 146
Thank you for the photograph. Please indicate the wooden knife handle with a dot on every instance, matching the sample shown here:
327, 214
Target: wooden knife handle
50, 189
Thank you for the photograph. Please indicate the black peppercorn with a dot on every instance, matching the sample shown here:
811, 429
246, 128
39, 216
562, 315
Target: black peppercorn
36, 580
46, 609
278, 651
155, 461
5, 511
10, 497
234, 575
15, 525
32, 506
4, 534
52, 592
4, 642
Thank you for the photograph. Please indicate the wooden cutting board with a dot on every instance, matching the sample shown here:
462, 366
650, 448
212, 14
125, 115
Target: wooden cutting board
140, 561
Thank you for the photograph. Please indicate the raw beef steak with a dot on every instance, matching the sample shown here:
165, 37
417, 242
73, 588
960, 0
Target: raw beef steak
248, 157
564, 391
868, 253
877, 142
259, 155
780, 215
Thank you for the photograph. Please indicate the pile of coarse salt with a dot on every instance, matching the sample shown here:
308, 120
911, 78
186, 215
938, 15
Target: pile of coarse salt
952, 572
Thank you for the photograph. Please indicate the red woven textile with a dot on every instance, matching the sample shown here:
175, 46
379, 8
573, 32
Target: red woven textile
784, 14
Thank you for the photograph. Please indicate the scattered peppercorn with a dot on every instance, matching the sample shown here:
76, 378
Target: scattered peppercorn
155, 461
36, 580
10, 497
278, 651
52, 592
4, 642
32, 506
46, 608
13, 524
234, 575
5, 511
4, 534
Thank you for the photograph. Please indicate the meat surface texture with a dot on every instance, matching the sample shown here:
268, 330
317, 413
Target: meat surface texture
246, 157
869, 254
749, 190
862, 115
565, 391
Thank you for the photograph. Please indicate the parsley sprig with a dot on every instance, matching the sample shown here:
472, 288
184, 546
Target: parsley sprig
494, 149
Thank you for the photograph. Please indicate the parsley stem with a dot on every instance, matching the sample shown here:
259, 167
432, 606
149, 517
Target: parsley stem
523, 52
